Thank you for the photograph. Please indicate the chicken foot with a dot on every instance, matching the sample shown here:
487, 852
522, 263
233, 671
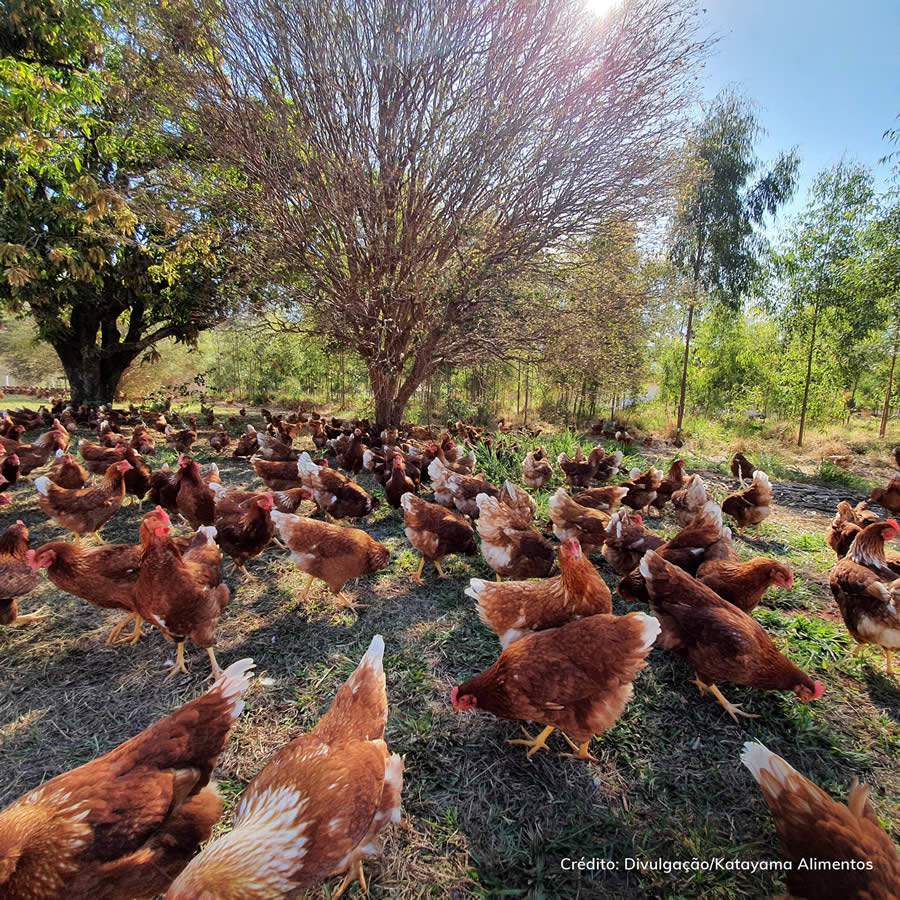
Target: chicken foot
539, 742
179, 666
117, 629
38, 616
581, 750
732, 709
354, 873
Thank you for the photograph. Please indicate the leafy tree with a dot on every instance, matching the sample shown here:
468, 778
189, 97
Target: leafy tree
715, 242
813, 260
113, 233
605, 301
874, 278
411, 159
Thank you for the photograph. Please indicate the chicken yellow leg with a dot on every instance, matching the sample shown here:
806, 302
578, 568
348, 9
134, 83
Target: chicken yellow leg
309, 583
213, 662
440, 571
354, 873
117, 629
581, 750
732, 709
889, 659
534, 743
417, 578
38, 616
179, 666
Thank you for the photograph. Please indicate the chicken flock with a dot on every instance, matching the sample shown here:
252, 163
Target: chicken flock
132, 823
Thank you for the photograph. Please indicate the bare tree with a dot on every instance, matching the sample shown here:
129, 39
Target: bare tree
412, 156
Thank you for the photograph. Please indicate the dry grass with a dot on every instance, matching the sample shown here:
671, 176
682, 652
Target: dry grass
480, 819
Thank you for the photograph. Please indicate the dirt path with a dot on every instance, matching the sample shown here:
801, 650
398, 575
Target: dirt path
802, 497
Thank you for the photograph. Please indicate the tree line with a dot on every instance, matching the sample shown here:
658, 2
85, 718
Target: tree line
417, 200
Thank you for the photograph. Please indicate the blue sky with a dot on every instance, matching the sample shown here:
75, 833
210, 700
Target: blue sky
825, 76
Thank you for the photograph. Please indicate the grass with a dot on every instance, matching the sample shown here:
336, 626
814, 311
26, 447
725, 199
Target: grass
480, 820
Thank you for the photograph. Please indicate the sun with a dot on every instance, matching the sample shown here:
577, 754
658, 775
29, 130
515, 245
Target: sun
600, 7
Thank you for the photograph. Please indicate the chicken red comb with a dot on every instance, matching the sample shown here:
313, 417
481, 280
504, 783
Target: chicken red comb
163, 514
893, 524
453, 694
638, 518
818, 690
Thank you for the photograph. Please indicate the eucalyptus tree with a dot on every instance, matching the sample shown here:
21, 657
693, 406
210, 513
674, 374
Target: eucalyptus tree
812, 264
409, 159
724, 197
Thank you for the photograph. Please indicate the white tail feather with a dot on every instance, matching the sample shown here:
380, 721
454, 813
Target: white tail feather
651, 628
42, 485
758, 759
233, 682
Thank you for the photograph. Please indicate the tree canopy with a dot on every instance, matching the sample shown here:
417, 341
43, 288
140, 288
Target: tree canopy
114, 231
411, 159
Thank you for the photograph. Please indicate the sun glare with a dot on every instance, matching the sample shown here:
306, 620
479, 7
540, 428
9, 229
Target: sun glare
600, 7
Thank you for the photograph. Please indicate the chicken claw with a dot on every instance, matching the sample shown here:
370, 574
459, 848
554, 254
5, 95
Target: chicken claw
354, 873
179, 666
534, 743
581, 750
133, 638
440, 571
732, 709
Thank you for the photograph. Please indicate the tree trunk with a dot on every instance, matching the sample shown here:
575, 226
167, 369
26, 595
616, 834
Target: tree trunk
93, 376
684, 366
809, 365
527, 390
882, 428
